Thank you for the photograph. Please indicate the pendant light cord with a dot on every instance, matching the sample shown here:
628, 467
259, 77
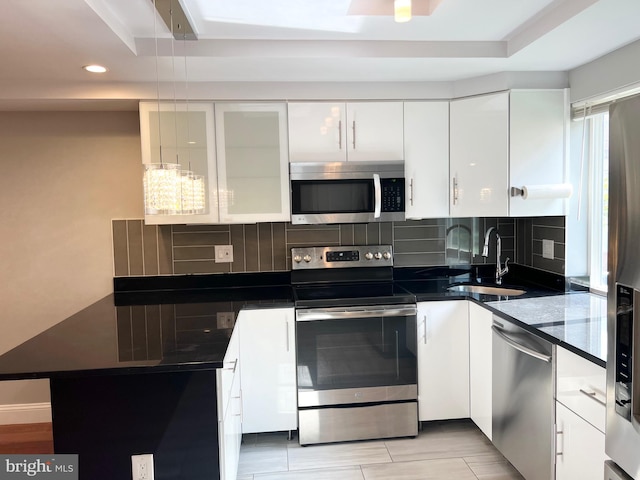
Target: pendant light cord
155, 36
173, 68
186, 94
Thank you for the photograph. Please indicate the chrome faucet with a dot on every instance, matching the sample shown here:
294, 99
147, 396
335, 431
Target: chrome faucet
500, 272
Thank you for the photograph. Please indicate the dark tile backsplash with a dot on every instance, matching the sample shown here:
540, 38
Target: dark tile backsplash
141, 249
531, 232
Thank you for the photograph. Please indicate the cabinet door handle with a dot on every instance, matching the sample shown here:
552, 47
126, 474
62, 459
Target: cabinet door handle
340, 135
559, 432
455, 191
411, 192
592, 395
425, 328
235, 364
286, 332
353, 134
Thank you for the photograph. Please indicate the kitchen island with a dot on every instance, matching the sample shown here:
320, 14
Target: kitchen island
132, 374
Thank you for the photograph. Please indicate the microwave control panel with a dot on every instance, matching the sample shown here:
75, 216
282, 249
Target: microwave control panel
392, 194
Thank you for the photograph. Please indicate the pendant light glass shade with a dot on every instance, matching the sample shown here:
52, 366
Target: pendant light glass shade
161, 188
192, 192
402, 10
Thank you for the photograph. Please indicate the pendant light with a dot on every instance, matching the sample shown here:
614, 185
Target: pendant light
192, 186
402, 10
169, 190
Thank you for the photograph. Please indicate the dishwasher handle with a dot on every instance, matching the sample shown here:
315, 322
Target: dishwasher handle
521, 348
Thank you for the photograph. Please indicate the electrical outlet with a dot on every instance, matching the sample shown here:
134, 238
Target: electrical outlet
547, 249
142, 467
224, 253
225, 319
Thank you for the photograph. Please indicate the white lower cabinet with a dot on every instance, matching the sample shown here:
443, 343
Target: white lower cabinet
229, 410
443, 360
480, 367
268, 378
580, 447
580, 417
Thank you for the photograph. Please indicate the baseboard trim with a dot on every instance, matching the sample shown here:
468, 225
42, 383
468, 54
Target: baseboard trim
25, 413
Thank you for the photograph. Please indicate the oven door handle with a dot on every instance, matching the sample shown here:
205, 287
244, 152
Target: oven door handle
340, 314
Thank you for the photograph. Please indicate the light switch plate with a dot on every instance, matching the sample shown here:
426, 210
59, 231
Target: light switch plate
224, 253
225, 319
547, 249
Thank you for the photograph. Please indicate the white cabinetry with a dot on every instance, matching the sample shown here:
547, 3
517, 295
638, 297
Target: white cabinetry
337, 132
580, 417
580, 447
443, 360
538, 122
267, 350
503, 140
186, 134
253, 169
581, 386
426, 157
229, 410
480, 367
479, 156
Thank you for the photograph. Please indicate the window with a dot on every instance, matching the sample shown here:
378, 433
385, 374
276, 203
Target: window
598, 201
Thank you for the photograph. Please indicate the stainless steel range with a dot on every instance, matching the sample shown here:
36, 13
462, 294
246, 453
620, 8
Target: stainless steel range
356, 346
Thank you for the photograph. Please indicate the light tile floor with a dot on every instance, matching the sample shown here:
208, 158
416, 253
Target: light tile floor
443, 450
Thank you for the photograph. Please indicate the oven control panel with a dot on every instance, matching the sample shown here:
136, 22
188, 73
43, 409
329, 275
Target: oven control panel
342, 257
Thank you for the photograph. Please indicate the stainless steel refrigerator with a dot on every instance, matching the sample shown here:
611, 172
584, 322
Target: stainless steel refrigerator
623, 301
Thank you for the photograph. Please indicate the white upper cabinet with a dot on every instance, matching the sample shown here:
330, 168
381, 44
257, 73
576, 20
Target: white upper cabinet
186, 134
253, 168
375, 131
338, 132
503, 140
426, 159
317, 132
479, 156
538, 124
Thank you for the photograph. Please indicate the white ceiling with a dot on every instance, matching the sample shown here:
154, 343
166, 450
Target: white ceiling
44, 43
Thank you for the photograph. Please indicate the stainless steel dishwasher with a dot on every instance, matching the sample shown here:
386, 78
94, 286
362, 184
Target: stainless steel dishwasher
523, 400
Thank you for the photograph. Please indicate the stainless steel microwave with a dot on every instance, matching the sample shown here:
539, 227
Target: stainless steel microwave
347, 192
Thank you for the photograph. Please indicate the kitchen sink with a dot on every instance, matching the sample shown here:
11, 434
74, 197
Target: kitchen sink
487, 290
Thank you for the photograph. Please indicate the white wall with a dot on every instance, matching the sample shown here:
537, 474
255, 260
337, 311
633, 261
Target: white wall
63, 177
616, 71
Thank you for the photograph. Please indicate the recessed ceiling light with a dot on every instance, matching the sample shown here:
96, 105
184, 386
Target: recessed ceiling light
95, 68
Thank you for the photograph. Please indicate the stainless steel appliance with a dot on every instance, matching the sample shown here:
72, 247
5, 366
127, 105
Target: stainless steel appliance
523, 400
623, 319
355, 345
347, 192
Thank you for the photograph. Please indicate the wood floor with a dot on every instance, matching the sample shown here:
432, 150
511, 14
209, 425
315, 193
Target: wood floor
27, 438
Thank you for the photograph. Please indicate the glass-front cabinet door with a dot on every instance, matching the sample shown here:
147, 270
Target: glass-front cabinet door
179, 133
253, 169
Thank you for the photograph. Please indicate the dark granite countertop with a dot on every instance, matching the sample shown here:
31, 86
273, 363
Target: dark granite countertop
576, 321
171, 323
132, 332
